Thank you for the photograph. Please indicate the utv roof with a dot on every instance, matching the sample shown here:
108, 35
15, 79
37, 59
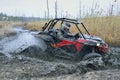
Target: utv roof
67, 20
52, 23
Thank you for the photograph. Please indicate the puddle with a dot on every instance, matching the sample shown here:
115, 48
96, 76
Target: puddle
19, 42
28, 67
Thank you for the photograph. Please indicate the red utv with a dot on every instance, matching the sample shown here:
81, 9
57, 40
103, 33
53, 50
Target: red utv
81, 46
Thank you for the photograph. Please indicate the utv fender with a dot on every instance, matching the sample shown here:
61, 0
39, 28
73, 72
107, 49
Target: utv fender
45, 38
91, 55
90, 43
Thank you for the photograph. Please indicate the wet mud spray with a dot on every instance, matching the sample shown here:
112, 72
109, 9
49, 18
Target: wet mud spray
20, 66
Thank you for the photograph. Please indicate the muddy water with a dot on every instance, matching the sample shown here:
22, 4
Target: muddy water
17, 43
20, 67
27, 68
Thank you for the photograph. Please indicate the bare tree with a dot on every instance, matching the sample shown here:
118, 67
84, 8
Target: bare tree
45, 16
111, 10
56, 7
80, 9
94, 7
117, 7
47, 8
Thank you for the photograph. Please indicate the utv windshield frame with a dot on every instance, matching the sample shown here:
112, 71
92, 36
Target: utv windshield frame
50, 25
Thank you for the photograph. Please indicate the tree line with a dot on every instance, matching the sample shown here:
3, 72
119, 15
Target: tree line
4, 17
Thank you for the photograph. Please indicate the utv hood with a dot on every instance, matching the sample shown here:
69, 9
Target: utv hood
94, 38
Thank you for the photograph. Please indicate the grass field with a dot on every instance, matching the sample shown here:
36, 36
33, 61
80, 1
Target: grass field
34, 25
108, 28
6, 28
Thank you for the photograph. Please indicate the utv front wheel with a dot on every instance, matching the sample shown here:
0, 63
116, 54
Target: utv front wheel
91, 55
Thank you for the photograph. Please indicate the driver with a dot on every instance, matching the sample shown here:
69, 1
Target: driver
64, 32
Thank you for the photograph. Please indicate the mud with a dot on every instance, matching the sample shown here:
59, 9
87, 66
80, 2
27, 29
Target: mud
19, 42
28, 66
20, 67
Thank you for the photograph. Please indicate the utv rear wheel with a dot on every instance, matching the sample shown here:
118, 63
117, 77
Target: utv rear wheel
91, 55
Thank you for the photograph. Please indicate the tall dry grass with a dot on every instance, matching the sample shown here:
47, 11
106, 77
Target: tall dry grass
37, 25
6, 28
106, 27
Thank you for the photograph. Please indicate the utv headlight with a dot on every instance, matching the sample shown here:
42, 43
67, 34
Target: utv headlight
98, 44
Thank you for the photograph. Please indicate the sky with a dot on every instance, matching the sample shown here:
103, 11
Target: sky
37, 8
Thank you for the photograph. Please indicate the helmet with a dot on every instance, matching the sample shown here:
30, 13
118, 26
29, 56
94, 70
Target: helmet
66, 26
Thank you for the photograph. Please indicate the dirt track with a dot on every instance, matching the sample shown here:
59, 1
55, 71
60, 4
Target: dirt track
26, 68
21, 67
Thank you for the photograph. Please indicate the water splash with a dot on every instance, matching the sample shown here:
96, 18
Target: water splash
22, 40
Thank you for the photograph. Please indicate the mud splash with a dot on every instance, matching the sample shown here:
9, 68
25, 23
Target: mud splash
22, 67
17, 43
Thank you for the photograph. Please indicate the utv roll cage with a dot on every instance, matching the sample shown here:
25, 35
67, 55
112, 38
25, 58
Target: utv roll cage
52, 23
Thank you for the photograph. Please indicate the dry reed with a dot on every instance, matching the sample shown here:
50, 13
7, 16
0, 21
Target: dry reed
108, 28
